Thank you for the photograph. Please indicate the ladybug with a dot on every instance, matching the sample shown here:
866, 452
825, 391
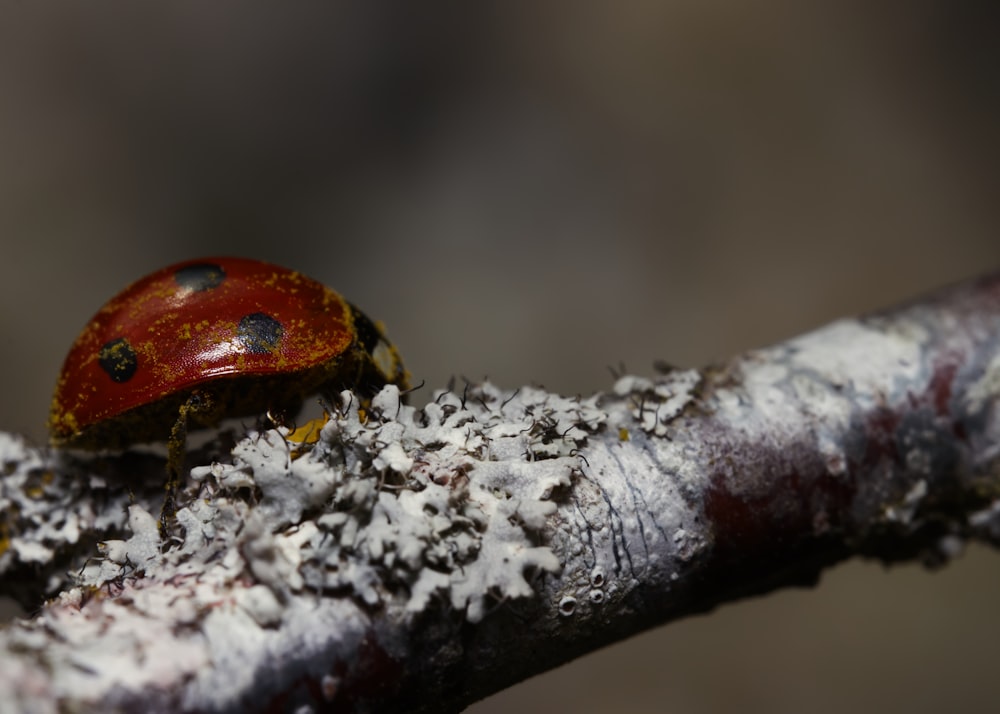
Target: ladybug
209, 339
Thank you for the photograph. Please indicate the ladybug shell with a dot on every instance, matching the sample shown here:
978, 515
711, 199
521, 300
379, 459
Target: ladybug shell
239, 333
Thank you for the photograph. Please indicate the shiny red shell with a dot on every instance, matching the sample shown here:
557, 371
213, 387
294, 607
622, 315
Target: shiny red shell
238, 331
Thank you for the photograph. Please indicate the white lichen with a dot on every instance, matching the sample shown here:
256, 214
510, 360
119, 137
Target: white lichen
377, 506
392, 507
655, 403
40, 497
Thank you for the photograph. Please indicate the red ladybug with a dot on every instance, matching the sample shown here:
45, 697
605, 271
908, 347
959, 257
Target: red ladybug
208, 339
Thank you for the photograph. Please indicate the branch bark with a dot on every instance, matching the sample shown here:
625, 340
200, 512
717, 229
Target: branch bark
423, 557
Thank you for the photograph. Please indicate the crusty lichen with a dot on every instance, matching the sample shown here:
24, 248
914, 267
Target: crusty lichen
436, 505
393, 507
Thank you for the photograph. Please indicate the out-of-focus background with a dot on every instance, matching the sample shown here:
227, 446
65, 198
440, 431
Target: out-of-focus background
533, 192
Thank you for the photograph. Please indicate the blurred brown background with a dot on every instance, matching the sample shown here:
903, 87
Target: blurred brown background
534, 192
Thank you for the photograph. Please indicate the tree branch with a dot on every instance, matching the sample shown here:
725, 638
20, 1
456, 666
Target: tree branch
423, 557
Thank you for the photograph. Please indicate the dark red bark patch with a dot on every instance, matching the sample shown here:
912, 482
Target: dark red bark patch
775, 511
940, 386
374, 677
880, 436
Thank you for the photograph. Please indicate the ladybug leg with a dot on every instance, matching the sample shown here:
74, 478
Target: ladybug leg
196, 403
282, 414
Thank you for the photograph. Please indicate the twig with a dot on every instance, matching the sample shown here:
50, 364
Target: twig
423, 557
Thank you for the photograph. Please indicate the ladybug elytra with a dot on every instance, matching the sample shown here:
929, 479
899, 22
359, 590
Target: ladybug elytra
209, 339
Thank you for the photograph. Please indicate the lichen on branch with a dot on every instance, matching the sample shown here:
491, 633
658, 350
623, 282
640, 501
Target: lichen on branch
407, 557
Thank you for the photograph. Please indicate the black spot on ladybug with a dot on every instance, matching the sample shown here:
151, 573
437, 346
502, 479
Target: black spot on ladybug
200, 276
118, 359
259, 333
